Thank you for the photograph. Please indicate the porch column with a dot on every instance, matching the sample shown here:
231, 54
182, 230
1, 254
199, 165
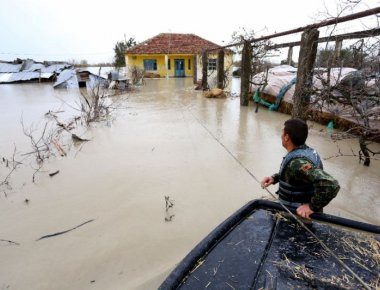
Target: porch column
166, 65
195, 77
204, 71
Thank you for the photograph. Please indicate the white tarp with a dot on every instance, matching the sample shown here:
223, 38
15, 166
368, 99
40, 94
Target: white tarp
280, 76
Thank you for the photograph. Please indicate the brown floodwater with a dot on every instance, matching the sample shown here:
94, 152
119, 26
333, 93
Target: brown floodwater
154, 148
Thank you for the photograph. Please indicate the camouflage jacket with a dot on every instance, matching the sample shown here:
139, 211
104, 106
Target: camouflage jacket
300, 171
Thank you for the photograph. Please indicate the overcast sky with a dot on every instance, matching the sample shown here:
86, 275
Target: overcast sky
77, 29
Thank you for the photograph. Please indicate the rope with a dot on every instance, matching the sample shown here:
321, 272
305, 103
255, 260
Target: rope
364, 284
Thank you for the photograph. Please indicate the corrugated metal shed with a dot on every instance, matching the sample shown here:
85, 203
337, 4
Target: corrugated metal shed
71, 78
68, 77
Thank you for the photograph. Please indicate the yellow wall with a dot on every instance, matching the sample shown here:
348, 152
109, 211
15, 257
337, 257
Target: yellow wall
138, 60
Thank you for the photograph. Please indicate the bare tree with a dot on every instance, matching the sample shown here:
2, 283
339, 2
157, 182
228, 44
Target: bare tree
259, 49
352, 98
351, 95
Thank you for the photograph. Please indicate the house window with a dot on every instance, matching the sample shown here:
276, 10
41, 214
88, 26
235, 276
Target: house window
150, 64
211, 64
189, 64
168, 64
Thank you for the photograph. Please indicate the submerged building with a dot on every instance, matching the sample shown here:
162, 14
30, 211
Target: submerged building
63, 75
30, 71
173, 55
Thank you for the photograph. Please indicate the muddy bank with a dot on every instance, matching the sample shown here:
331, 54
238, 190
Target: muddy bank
155, 148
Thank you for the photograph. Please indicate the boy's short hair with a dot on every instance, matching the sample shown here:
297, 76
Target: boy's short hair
297, 130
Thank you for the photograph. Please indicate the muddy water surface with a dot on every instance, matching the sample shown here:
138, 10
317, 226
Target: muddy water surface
157, 147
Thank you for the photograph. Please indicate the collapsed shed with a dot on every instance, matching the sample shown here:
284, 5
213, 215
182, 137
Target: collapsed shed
29, 71
78, 78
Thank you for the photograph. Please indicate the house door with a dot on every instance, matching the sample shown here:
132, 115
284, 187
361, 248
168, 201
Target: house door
179, 67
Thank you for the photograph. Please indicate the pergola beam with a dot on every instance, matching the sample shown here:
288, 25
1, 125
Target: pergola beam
339, 37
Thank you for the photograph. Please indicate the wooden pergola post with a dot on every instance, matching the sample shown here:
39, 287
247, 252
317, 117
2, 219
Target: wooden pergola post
220, 76
195, 68
246, 64
204, 71
338, 48
290, 56
306, 60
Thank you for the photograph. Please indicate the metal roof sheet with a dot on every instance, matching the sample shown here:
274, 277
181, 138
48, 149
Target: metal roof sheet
34, 67
55, 68
9, 67
4, 77
23, 76
31, 66
65, 76
46, 75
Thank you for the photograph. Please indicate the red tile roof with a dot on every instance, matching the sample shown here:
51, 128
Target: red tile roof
173, 43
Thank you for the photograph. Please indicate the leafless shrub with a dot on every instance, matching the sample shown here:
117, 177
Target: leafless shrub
61, 126
260, 50
212, 75
137, 75
12, 165
56, 135
168, 205
41, 143
94, 105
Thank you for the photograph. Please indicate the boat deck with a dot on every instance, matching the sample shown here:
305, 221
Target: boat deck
268, 249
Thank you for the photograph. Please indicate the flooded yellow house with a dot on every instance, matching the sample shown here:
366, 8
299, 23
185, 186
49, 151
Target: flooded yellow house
174, 55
